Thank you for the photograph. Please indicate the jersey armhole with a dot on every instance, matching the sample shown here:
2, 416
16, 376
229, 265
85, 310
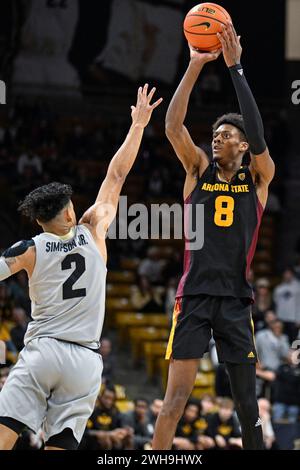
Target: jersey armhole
94, 242
199, 179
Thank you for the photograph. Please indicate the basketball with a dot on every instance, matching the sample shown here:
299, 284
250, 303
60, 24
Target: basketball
202, 23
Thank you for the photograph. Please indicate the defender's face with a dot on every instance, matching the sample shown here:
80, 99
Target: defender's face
227, 145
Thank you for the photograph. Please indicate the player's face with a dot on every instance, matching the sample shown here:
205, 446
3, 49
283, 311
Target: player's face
227, 145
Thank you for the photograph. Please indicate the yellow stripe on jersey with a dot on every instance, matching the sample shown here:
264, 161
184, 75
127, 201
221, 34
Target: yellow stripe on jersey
176, 311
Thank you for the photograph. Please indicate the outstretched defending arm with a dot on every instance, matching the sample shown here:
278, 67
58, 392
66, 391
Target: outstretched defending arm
261, 161
103, 212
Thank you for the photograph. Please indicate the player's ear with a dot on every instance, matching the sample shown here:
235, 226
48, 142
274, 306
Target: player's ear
68, 213
244, 146
38, 222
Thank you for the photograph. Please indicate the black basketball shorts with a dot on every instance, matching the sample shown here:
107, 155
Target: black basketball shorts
196, 318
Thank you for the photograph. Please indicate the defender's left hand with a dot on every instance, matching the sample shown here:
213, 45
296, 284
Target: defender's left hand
231, 45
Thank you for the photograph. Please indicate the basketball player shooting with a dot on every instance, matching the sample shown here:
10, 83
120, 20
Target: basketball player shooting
213, 293
56, 380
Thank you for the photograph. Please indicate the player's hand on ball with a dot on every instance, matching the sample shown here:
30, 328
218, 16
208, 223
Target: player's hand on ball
142, 111
231, 45
200, 58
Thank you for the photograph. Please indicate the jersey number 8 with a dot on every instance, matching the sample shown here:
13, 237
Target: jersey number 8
224, 206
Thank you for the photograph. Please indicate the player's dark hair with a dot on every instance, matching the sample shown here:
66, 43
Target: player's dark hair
233, 119
45, 202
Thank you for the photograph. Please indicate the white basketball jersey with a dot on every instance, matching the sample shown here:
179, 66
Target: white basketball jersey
67, 289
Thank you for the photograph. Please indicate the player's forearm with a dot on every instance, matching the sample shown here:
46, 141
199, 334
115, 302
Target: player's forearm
178, 106
125, 157
252, 119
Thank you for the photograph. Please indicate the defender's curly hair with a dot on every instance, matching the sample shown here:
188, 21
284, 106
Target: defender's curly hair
45, 202
235, 120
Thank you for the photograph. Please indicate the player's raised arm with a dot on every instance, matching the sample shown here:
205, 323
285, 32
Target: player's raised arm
105, 207
261, 162
191, 156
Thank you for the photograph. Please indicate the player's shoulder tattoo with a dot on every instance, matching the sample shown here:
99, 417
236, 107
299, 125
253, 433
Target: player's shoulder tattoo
17, 249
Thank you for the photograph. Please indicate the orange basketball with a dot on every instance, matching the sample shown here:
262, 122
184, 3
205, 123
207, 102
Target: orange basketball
202, 23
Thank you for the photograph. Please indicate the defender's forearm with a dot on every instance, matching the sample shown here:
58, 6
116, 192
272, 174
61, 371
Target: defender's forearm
125, 157
178, 106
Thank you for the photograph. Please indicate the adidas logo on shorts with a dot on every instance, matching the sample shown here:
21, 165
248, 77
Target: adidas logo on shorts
258, 422
251, 355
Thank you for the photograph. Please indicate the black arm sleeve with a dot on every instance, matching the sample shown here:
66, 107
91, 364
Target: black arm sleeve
252, 119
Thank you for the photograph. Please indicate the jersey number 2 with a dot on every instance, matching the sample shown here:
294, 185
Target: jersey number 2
224, 206
68, 291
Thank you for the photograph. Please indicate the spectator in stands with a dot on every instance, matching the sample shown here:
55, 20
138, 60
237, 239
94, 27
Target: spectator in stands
154, 411
208, 407
186, 432
287, 390
6, 303
17, 333
272, 346
138, 420
29, 160
287, 300
5, 322
208, 404
104, 428
152, 266
108, 360
264, 407
19, 291
269, 317
147, 298
263, 302
4, 371
272, 349
223, 427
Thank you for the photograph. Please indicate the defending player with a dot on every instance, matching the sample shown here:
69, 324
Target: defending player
57, 378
